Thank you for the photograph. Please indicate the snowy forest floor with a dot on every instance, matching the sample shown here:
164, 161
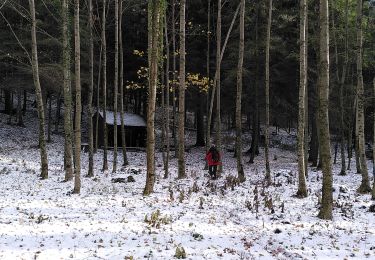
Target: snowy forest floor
40, 219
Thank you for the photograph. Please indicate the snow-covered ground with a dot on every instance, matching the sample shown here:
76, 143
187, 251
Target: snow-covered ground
209, 219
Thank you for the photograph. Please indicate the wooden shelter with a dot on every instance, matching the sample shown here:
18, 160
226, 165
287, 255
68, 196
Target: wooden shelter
135, 129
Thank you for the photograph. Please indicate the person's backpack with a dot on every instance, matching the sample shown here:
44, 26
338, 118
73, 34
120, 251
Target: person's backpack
215, 156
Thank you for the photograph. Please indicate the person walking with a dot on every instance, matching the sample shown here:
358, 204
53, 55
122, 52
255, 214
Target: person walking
213, 159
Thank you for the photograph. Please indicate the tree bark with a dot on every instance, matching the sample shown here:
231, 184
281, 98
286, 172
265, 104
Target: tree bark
323, 120
174, 78
104, 44
68, 134
98, 100
114, 168
217, 75
341, 82
373, 152
365, 184
267, 85
123, 133
90, 172
241, 47
255, 133
181, 97
166, 112
153, 54
218, 80
302, 190
208, 75
77, 130
38, 93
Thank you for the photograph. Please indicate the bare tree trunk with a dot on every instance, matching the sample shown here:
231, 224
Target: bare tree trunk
90, 172
153, 53
373, 152
98, 100
267, 83
218, 77
174, 78
104, 44
341, 82
68, 134
302, 190
255, 134
356, 139
77, 130
241, 47
181, 97
365, 184
208, 74
38, 92
123, 139
114, 169
323, 120
166, 112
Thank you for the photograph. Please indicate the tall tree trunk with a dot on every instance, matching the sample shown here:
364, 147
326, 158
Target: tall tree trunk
123, 139
208, 73
181, 96
68, 132
267, 84
356, 138
217, 75
218, 72
77, 129
255, 133
90, 172
104, 44
240, 171
174, 77
365, 184
166, 112
114, 169
98, 100
373, 152
153, 54
341, 82
323, 120
302, 191
38, 93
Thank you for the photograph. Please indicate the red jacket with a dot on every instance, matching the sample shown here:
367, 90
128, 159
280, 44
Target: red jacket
210, 161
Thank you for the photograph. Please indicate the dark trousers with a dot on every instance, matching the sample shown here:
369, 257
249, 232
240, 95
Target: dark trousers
212, 171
